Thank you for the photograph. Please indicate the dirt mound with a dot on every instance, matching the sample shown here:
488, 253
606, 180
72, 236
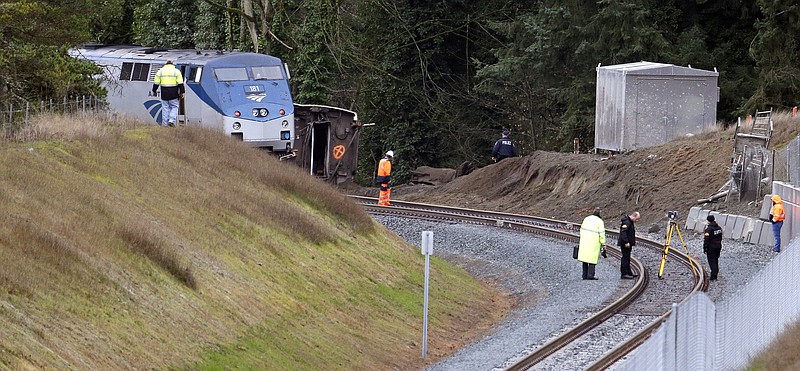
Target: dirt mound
568, 186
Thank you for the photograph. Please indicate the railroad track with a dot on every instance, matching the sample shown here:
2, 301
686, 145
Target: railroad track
566, 231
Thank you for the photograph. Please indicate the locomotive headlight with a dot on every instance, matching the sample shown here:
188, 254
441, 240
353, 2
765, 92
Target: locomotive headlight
255, 112
285, 123
282, 112
237, 126
237, 113
264, 112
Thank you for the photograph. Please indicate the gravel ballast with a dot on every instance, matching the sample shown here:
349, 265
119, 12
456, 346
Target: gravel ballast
546, 281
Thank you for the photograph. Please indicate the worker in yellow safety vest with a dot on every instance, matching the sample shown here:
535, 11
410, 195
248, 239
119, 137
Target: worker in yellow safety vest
170, 80
384, 177
593, 238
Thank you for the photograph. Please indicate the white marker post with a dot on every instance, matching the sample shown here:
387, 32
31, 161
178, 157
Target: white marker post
427, 250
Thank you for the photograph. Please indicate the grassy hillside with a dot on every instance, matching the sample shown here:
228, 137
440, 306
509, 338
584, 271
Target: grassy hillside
125, 246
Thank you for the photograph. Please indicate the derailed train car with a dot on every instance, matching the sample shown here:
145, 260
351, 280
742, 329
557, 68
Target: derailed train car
326, 142
246, 96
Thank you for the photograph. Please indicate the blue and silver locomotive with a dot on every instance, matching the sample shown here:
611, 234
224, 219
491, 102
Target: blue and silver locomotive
244, 95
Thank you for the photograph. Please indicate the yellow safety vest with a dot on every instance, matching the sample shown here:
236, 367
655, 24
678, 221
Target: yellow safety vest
168, 76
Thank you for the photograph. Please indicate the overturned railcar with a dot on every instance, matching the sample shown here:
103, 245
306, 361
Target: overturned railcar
326, 142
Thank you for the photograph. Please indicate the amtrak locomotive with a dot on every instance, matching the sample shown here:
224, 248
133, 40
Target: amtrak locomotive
244, 95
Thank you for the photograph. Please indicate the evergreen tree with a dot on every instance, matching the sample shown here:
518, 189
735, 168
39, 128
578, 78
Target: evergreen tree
775, 50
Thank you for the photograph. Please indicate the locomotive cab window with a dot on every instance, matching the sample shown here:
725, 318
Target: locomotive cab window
194, 74
231, 74
267, 73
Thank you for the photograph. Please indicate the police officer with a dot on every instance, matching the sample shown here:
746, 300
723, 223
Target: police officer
626, 242
593, 237
384, 177
712, 245
503, 148
170, 80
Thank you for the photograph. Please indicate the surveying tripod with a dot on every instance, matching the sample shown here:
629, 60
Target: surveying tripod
672, 226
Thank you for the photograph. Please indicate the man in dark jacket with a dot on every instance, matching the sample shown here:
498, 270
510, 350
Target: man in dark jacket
712, 245
503, 148
626, 241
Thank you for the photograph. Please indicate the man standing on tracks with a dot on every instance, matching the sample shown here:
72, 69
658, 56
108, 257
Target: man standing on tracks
170, 80
503, 148
384, 177
593, 237
776, 216
626, 242
712, 245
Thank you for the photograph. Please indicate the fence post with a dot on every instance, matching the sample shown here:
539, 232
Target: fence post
64, 106
84, 103
27, 113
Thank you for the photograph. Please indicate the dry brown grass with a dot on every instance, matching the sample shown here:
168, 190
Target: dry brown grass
77, 126
785, 128
782, 354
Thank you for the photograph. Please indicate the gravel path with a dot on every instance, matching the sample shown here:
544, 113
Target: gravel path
547, 283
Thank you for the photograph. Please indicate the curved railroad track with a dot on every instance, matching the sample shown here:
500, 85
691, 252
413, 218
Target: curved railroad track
568, 231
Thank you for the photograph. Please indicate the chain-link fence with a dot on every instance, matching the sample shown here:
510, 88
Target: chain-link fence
18, 114
786, 163
702, 335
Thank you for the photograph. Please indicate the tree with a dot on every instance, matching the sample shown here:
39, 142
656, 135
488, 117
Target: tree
165, 23
33, 63
775, 50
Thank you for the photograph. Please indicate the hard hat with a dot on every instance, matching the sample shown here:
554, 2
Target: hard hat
390, 153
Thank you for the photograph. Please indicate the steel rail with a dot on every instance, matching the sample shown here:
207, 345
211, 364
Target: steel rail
565, 231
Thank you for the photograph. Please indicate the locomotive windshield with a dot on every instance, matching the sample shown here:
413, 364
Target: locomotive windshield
267, 73
231, 74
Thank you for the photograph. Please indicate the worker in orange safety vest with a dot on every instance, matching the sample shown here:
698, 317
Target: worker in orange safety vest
776, 215
384, 177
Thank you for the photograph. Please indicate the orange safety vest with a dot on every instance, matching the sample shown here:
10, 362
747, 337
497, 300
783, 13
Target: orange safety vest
384, 167
778, 213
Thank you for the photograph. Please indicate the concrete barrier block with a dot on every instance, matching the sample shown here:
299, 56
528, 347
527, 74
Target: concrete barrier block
726, 222
748, 229
701, 216
766, 238
756, 234
738, 227
691, 219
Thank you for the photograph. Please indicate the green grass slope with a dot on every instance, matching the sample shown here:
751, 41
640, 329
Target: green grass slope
125, 246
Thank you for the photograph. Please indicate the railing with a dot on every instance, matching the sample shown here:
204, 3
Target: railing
17, 115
